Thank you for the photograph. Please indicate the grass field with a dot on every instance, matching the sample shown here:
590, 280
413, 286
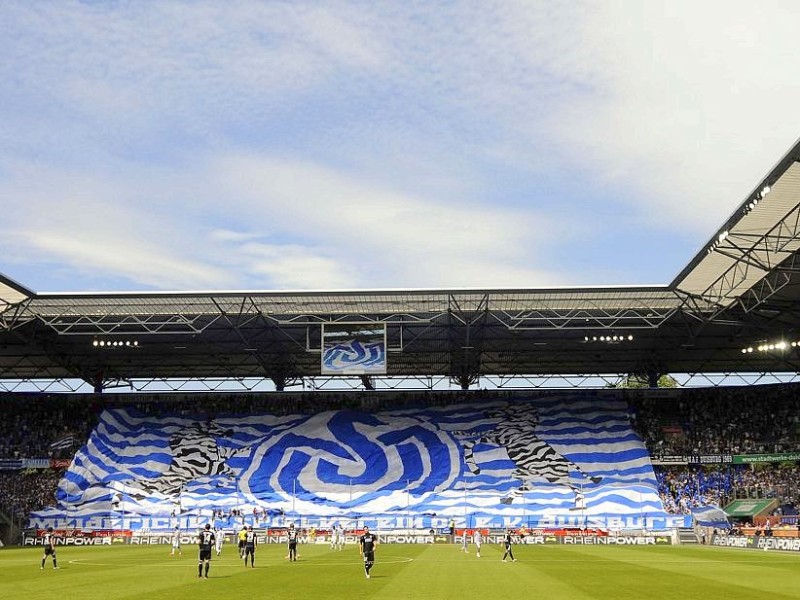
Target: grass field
406, 571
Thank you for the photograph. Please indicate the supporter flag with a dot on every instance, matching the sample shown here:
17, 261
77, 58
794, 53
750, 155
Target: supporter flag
68, 441
710, 516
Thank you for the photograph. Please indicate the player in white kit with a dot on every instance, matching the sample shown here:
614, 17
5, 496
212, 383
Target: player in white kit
334, 536
337, 537
219, 536
477, 539
176, 542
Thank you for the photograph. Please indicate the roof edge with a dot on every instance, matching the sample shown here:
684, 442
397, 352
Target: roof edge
352, 292
7, 281
772, 176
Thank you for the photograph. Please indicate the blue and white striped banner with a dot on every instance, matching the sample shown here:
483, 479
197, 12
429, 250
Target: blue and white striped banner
398, 462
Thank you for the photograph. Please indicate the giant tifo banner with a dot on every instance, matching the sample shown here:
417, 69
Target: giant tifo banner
491, 464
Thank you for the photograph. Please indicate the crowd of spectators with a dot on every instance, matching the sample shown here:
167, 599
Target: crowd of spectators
740, 420
24, 491
687, 487
683, 488
32, 427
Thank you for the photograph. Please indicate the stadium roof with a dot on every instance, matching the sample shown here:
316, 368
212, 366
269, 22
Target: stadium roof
738, 294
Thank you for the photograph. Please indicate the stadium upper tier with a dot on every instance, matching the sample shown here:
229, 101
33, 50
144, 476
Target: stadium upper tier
731, 310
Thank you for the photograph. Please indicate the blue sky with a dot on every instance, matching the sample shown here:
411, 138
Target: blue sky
339, 145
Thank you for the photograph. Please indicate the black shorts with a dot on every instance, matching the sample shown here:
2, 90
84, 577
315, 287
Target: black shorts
369, 556
205, 554
241, 543
249, 549
292, 545
49, 551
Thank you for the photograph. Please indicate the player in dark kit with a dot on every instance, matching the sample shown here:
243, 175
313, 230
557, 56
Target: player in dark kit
367, 544
250, 543
206, 542
49, 543
292, 543
507, 542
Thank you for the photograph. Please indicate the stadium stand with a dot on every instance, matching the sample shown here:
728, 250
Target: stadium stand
720, 421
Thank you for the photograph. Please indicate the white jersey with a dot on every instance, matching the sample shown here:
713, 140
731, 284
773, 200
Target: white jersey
337, 537
220, 538
477, 538
176, 539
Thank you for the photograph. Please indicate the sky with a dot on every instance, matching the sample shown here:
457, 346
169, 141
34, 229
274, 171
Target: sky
245, 145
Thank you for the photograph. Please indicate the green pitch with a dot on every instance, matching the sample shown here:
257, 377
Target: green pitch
405, 571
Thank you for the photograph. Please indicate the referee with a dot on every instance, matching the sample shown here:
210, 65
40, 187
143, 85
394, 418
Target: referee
242, 535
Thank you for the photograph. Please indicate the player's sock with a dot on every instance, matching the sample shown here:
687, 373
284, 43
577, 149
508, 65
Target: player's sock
207, 565
55, 564
43, 563
200, 569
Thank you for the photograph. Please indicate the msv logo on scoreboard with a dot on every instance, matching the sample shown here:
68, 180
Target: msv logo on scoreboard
353, 349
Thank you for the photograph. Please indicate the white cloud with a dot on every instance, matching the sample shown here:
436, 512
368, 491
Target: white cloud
94, 223
416, 242
293, 267
191, 66
690, 104
116, 255
365, 145
290, 225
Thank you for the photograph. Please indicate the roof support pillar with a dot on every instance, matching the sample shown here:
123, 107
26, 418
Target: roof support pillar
652, 379
280, 383
98, 383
